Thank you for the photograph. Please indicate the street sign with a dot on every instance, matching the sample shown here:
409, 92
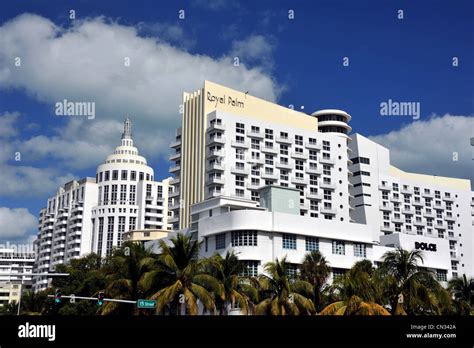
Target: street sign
146, 303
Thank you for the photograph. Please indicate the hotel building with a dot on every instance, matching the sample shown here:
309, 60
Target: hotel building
92, 214
269, 181
15, 269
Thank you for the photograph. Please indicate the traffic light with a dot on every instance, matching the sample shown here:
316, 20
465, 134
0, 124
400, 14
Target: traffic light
57, 296
100, 299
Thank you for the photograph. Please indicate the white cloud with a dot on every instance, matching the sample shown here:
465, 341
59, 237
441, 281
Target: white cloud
428, 146
27, 181
254, 49
16, 223
85, 62
7, 128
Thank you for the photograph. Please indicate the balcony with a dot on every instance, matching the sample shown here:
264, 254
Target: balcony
175, 156
418, 203
256, 161
284, 165
450, 218
384, 187
216, 126
216, 167
251, 186
299, 181
153, 214
255, 134
215, 153
313, 146
77, 224
430, 215
406, 191
327, 160
283, 140
314, 170
215, 181
442, 226
448, 199
439, 206
419, 223
240, 170
328, 211
452, 236
216, 140
408, 211
387, 207
395, 199
175, 169
269, 176
398, 220
75, 234
427, 194
240, 144
175, 144
315, 196
390, 229
327, 186
175, 181
454, 256
271, 150
299, 155
174, 193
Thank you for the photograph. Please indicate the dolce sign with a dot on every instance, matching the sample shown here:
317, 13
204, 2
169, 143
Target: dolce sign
425, 246
225, 100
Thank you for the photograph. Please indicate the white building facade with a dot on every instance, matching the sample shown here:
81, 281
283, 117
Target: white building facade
233, 146
91, 215
15, 274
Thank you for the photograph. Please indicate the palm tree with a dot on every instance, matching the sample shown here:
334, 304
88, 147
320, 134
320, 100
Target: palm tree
463, 292
281, 295
227, 270
408, 281
354, 306
181, 278
315, 270
127, 266
356, 292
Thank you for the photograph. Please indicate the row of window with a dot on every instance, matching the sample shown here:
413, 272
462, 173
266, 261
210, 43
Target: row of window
416, 190
249, 238
123, 175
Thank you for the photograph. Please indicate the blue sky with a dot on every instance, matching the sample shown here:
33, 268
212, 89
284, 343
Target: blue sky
296, 61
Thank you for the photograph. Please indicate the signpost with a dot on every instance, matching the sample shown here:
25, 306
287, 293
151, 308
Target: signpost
146, 304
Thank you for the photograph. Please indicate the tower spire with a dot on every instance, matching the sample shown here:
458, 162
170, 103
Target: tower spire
127, 129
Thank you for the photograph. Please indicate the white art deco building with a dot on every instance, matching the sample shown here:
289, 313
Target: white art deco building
268, 181
92, 214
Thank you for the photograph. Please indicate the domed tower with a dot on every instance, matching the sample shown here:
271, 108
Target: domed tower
120, 180
333, 121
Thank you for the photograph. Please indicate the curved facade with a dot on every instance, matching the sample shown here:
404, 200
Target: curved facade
333, 121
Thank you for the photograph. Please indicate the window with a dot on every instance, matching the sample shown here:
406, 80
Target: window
239, 180
255, 144
132, 194
395, 187
255, 129
220, 241
298, 140
239, 192
291, 270
100, 233
338, 247
313, 155
115, 175
269, 160
283, 135
124, 175
326, 145
361, 173
244, 238
239, 154
283, 175
113, 199
337, 273
419, 230
110, 233
284, 150
123, 194
360, 250
121, 229
240, 128
133, 175
362, 160
327, 195
326, 170
269, 134
441, 275
107, 176
249, 268
299, 165
311, 244
289, 241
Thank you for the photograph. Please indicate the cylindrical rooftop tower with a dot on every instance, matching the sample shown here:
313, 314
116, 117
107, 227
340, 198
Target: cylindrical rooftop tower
333, 121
